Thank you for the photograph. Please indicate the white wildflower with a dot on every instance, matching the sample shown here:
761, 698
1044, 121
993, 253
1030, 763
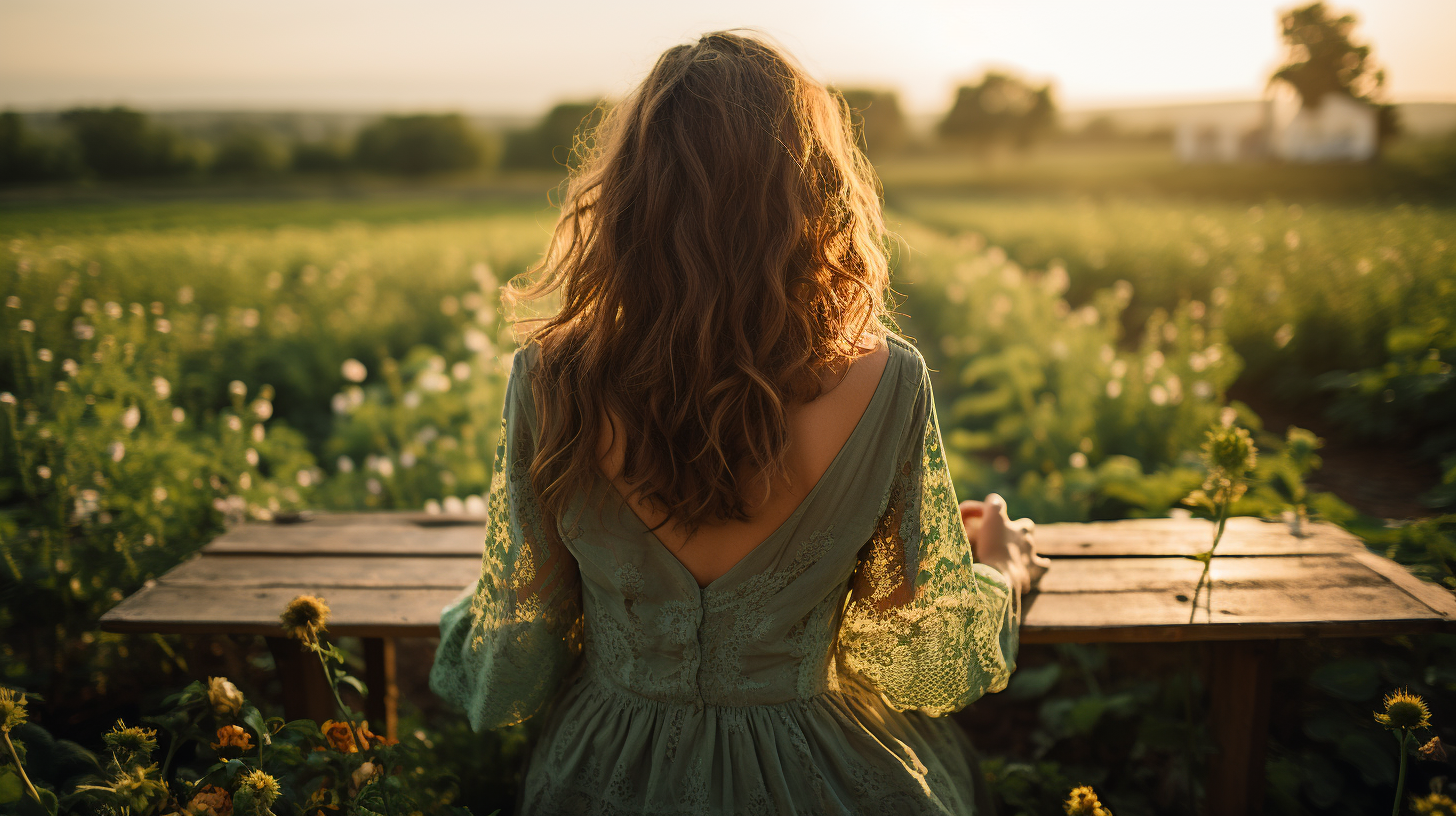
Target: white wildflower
353, 370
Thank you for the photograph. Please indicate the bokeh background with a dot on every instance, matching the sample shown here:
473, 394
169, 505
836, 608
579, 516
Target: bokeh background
251, 259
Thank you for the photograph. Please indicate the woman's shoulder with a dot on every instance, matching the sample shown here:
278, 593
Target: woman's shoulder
525, 359
907, 360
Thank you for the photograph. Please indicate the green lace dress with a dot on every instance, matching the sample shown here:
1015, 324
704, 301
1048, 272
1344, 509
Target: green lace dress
808, 679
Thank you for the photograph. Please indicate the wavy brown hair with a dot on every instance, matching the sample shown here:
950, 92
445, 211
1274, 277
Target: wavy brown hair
720, 247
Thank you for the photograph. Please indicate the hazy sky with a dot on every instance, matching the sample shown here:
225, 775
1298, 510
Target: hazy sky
520, 56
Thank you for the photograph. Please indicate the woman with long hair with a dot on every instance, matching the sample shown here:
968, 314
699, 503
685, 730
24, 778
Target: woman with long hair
724, 556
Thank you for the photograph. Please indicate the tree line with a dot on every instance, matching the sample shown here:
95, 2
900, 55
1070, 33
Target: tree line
119, 143
123, 144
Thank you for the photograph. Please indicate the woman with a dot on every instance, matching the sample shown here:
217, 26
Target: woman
723, 544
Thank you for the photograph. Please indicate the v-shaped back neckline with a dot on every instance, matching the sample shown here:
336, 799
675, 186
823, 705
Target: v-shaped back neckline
881, 389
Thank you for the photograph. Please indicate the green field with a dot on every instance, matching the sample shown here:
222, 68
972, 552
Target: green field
172, 363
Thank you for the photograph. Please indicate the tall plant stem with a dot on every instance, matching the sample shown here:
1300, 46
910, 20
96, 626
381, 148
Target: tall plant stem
15, 757
1400, 780
1207, 559
171, 751
339, 701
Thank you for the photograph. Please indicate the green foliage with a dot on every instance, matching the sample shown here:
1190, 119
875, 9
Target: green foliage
419, 145
248, 152
24, 157
555, 140
1047, 405
879, 125
289, 767
1001, 111
319, 157
1410, 398
120, 143
157, 386
1353, 302
1323, 59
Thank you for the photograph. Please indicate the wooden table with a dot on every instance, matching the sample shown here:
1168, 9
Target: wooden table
388, 575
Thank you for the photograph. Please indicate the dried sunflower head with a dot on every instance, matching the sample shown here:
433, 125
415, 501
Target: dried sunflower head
12, 709
305, 617
257, 791
130, 743
1404, 710
1229, 455
142, 789
1083, 801
1435, 804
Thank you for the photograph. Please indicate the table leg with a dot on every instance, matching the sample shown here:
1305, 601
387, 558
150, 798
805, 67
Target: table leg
1240, 685
382, 706
306, 693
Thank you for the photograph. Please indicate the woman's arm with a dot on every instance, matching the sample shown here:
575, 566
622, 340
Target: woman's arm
1007, 545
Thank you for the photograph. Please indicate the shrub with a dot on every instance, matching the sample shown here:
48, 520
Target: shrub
418, 145
550, 144
248, 152
120, 143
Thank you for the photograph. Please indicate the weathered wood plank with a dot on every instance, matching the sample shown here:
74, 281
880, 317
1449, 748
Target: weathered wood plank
334, 536
1295, 572
1437, 597
324, 572
254, 611
1239, 612
1155, 537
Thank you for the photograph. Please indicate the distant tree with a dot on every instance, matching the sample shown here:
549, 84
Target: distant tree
248, 151
879, 124
1322, 59
1002, 110
119, 143
418, 145
549, 144
24, 157
1100, 129
319, 157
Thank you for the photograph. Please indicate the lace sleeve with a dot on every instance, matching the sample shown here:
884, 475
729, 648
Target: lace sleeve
927, 627
506, 646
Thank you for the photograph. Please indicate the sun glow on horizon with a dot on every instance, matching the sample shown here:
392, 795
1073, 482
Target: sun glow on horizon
452, 54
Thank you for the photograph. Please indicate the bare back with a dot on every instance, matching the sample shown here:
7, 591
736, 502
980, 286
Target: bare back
817, 432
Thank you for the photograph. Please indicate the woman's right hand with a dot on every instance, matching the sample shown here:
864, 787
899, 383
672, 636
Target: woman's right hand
1001, 543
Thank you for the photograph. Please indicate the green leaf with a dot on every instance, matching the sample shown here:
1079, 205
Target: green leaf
254, 720
11, 788
1323, 783
47, 806
1085, 713
1352, 679
355, 684
1374, 759
1030, 682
